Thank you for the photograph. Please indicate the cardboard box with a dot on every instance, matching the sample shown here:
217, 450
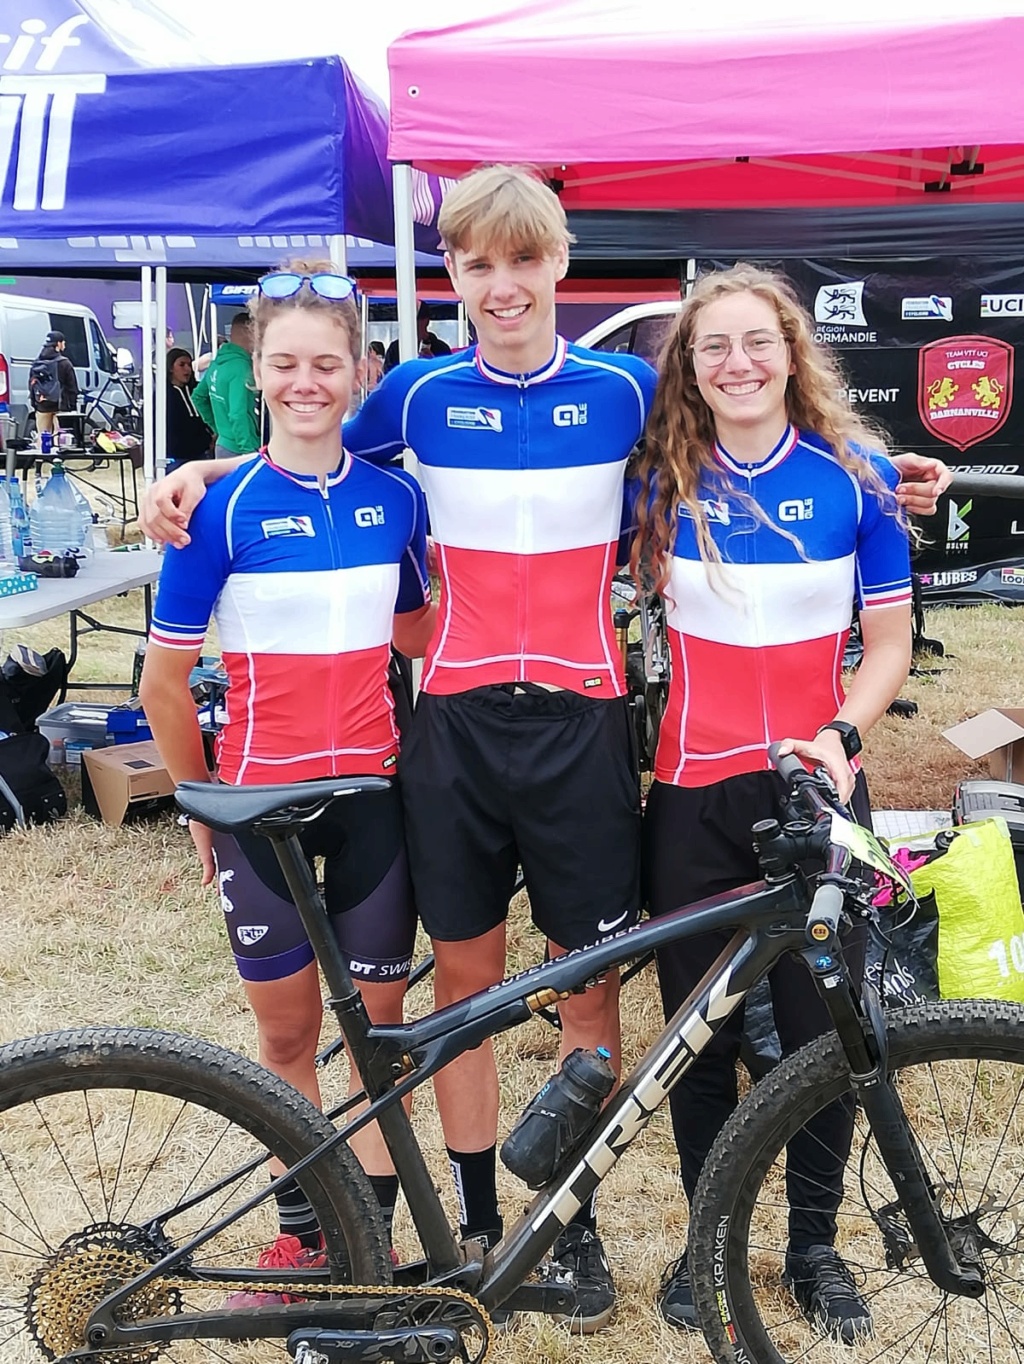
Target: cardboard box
122, 783
997, 735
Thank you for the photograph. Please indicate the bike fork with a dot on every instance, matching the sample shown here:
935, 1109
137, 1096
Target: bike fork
862, 1035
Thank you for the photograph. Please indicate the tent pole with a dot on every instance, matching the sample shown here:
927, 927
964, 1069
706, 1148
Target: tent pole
405, 288
147, 373
339, 253
691, 276
158, 440
405, 260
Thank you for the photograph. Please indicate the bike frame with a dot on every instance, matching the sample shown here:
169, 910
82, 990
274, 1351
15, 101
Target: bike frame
768, 919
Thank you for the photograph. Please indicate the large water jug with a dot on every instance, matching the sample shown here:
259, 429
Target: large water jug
6, 546
56, 519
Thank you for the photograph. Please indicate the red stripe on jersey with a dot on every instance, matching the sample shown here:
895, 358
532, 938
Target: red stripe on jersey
727, 703
343, 726
525, 617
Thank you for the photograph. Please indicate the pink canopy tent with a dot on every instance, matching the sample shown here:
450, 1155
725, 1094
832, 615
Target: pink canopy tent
628, 104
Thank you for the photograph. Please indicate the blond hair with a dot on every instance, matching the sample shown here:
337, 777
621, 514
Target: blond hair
344, 311
680, 438
506, 209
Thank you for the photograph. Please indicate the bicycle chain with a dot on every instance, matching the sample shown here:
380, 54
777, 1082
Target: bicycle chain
65, 1292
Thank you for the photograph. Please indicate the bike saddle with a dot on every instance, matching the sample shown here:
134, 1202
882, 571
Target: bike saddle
232, 809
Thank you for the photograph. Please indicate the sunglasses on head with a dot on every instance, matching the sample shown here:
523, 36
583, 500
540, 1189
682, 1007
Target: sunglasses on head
285, 284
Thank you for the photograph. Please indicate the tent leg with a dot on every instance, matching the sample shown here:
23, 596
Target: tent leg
339, 253
405, 287
154, 448
147, 373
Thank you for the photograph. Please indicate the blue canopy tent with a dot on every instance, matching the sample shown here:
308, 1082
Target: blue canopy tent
114, 128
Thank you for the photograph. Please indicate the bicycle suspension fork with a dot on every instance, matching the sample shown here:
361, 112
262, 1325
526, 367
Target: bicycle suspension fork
863, 1039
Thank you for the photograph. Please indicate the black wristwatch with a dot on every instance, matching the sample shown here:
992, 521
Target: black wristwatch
849, 735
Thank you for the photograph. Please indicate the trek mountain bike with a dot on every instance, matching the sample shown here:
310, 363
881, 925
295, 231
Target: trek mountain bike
134, 1192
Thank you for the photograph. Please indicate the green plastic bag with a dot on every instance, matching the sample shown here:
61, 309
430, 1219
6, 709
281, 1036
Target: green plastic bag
981, 923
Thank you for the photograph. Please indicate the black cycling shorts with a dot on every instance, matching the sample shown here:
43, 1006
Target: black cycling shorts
366, 889
499, 777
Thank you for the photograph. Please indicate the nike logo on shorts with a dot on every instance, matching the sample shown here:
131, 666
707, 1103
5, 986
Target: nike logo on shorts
603, 927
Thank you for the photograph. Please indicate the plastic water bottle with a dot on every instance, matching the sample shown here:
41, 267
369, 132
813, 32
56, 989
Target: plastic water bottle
6, 539
558, 1116
56, 520
21, 538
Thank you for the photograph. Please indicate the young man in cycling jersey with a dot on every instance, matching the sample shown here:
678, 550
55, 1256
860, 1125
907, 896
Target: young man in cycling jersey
520, 751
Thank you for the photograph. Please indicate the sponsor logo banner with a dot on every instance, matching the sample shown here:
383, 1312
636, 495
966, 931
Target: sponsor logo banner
1002, 305
930, 309
841, 304
965, 388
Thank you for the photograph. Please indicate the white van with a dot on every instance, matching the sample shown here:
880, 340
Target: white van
638, 330
24, 323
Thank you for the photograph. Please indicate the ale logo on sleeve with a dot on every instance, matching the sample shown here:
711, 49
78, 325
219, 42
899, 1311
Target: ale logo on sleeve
964, 388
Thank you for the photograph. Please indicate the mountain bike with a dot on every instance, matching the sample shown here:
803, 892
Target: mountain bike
133, 1182
645, 660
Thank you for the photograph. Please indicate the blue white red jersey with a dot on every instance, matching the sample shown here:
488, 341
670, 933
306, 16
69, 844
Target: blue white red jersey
523, 476
757, 642
303, 584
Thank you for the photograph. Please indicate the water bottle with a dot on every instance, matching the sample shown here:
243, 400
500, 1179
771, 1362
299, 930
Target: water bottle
45, 442
6, 538
56, 519
21, 538
558, 1116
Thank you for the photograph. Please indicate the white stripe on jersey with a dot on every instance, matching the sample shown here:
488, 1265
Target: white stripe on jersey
332, 611
525, 511
759, 605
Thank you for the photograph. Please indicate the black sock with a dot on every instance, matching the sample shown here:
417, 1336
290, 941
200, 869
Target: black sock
296, 1216
587, 1215
385, 1188
474, 1175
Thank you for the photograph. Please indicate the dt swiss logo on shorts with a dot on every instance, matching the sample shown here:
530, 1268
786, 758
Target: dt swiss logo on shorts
965, 388
475, 418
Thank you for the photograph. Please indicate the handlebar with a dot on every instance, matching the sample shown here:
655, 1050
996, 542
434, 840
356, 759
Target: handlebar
989, 485
803, 784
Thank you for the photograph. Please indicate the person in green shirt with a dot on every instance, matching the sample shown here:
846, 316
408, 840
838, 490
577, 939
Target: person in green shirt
227, 399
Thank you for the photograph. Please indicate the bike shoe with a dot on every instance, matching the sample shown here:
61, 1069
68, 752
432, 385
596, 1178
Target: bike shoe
287, 1252
581, 1252
825, 1292
675, 1296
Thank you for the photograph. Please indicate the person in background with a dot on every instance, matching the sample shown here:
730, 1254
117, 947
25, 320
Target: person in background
374, 364
307, 598
226, 398
188, 436
52, 382
749, 421
429, 343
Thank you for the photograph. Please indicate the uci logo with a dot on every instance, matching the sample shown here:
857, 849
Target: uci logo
369, 516
797, 509
570, 414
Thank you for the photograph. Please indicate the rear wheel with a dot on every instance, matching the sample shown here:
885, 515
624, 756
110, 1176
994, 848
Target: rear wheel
119, 1145
959, 1072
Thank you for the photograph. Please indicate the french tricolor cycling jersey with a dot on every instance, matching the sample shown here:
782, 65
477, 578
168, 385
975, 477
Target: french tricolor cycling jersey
303, 584
757, 642
523, 476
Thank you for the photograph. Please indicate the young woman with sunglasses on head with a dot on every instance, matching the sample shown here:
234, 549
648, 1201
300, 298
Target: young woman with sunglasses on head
766, 511
311, 562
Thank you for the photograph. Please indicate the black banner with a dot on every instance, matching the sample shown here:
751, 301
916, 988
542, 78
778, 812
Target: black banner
930, 350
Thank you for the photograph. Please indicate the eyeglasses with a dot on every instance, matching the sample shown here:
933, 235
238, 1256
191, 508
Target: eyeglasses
712, 350
285, 284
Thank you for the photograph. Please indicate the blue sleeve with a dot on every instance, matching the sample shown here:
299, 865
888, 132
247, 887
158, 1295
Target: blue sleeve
413, 578
883, 545
375, 432
191, 580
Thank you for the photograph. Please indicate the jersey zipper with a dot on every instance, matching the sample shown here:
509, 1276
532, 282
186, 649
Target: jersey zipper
332, 697
761, 633
522, 559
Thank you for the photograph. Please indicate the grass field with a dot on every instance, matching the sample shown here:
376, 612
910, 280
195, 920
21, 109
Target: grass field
110, 926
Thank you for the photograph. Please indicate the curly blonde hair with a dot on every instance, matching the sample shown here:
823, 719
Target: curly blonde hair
681, 430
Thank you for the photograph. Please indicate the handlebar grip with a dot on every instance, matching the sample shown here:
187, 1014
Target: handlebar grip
988, 485
826, 907
788, 765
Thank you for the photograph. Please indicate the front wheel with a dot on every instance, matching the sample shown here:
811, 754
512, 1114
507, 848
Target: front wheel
119, 1145
959, 1071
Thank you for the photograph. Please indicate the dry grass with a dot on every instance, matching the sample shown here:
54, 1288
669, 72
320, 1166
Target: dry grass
109, 926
